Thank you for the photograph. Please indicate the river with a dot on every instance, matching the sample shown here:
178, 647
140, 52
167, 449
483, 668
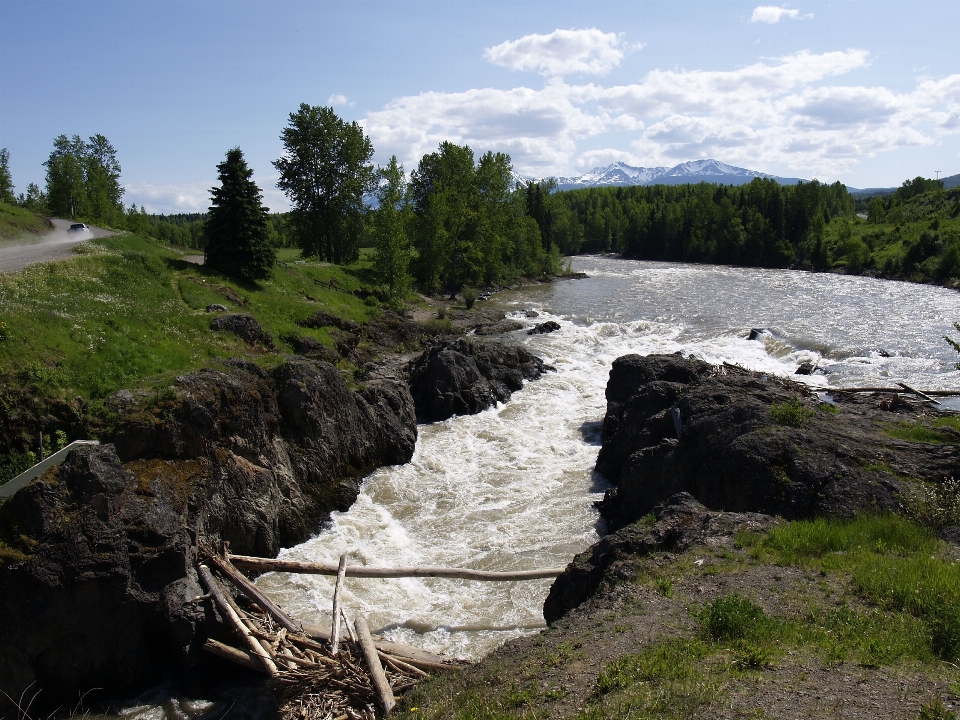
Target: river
514, 487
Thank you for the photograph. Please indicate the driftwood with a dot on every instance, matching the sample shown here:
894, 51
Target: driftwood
231, 653
414, 656
292, 566
337, 609
230, 614
226, 568
380, 684
925, 396
932, 393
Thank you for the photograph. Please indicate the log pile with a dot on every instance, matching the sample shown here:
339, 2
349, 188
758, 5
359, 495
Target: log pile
352, 678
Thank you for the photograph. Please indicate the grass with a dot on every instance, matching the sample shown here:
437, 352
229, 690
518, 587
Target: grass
16, 224
928, 430
129, 312
791, 413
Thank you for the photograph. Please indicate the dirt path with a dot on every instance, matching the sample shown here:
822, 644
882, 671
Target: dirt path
58, 244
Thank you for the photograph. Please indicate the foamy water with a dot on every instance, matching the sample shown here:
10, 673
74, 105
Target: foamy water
513, 487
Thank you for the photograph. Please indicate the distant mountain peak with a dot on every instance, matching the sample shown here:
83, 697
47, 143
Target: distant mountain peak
620, 174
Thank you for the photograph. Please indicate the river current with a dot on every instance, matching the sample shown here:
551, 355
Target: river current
514, 487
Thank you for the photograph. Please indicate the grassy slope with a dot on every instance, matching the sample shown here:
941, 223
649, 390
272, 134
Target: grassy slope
15, 222
131, 312
759, 628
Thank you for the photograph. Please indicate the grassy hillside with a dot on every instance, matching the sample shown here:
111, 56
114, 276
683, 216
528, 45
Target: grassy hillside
916, 240
16, 222
130, 312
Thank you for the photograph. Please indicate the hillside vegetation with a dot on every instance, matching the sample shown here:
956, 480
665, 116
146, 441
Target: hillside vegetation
17, 222
131, 311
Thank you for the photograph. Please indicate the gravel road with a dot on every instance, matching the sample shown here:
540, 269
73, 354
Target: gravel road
54, 245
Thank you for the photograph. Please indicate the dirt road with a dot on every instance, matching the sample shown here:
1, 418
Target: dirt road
55, 245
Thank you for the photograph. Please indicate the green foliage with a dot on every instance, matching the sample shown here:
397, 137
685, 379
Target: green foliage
470, 296
325, 171
439, 326
936, 504
83, 180
673, 659
6, 181
236, 226
392, 250
936, 711
791, 413
18, 223
732, 617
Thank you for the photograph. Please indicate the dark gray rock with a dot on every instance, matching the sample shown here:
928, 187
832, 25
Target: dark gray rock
243, 326
100, 598
464, 378
216, 307
543, 328
499, 328
681, 522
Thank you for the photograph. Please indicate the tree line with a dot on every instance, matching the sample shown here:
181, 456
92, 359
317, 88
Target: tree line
762, 223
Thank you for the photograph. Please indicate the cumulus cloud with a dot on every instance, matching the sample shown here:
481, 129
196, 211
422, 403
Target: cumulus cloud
785, 112
562, 52
772, 14
194, 197
338, 100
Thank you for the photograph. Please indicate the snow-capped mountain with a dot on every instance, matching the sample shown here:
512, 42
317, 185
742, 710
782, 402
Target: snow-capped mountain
695, 171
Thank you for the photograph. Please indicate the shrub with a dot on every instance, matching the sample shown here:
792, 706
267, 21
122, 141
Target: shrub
791, 413
936, 505
469, 297
731, 618
439, 326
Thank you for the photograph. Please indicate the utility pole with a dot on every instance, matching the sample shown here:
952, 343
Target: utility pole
938, 174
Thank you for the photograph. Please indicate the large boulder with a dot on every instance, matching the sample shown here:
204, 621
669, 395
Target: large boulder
732, 452
98, 555
464, 378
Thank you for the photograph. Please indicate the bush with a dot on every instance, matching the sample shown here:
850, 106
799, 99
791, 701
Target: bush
733, 617
469, 297
791, 413
936, 505
439, 326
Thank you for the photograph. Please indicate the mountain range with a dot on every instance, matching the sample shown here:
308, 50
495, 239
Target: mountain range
619, 174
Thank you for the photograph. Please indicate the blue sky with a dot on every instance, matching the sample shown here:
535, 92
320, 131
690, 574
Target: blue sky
863, 92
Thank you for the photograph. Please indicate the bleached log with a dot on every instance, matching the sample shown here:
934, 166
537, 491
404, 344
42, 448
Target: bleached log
925, 396
232, 617
253, 592
337, 610
293, 566
379, 678
233, 654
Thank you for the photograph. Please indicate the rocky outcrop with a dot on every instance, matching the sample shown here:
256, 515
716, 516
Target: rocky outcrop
543, 328
243, 326
680, 523
464, 378
99, 576
748, 442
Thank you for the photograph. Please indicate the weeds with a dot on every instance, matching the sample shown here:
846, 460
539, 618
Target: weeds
791, 413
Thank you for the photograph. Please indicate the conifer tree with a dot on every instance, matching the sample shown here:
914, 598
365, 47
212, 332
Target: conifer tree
236, 227
6, 182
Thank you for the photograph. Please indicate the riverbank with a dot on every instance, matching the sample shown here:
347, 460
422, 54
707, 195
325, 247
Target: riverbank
735, 611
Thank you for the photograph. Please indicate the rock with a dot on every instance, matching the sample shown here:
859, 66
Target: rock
464, 378
951, 534
543, 328
99, 596
324, 319
532, 314
757, 333
806, 368
216, 307
243, 326
732, 455
312, 348
681, 522
499, 328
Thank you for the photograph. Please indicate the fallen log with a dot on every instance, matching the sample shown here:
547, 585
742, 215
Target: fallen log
379, 678
253, 592
415, 656
231, 653
337, 610
925, 396
232, 617
932, 393
293, 566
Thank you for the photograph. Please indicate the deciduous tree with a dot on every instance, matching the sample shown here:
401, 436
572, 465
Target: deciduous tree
236, 227
391, 243
6, 182
325, 171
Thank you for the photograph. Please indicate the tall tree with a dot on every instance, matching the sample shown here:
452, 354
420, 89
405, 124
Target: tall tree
325, 171
6, 182
236, 227
104, 193
66, 190
391, 244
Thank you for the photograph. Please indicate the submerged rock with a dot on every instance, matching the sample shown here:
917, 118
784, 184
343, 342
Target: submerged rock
98, 579
543, 328
464, 378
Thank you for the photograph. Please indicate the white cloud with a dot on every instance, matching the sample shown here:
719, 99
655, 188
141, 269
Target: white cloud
777, 113
194, 197
772, 14
562, 52
338, 100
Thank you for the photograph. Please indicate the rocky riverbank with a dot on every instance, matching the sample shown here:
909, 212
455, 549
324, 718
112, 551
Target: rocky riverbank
98, 587
678, 613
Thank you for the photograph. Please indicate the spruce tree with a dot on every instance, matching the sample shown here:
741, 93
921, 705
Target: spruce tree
236, 227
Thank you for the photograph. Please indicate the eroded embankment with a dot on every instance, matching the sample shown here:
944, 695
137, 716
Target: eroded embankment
99, 588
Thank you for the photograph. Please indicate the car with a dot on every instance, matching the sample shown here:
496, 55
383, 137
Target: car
79, 227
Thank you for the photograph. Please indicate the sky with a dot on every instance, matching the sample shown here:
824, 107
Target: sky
866, 92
